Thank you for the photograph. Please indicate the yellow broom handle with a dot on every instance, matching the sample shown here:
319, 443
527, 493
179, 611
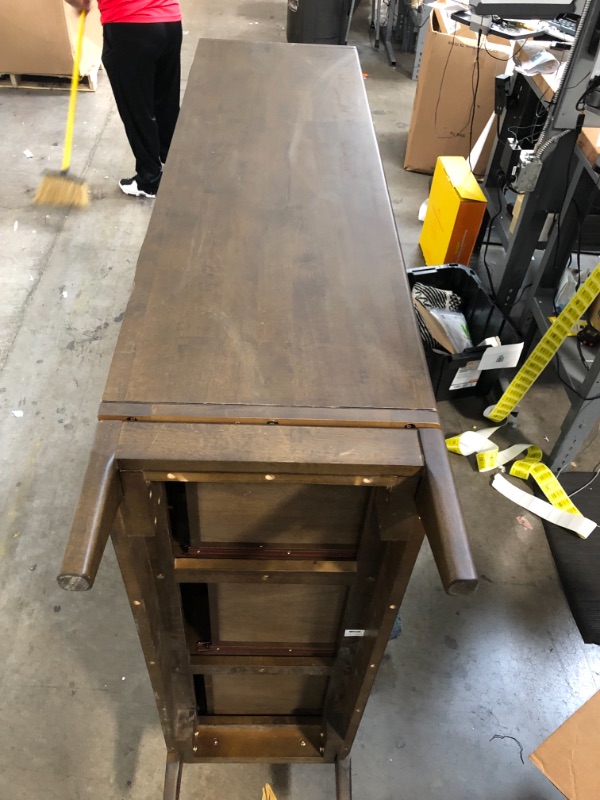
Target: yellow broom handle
73, 94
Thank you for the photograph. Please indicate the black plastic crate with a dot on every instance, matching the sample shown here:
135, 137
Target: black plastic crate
484, 319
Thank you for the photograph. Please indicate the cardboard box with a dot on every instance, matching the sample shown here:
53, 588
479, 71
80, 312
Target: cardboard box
440, 123
570, 757
454, 213
38, 38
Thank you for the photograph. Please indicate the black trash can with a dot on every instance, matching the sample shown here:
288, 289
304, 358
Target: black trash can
484, 319
317, 21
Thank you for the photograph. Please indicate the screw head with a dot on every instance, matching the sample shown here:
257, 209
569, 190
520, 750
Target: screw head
215, 742
302, 743
196, 734
194, 749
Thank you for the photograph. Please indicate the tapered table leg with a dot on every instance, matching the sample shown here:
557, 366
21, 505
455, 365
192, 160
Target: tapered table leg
173, 776
343, 779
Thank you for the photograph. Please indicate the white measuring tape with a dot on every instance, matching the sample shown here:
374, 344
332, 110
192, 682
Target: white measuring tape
559, 509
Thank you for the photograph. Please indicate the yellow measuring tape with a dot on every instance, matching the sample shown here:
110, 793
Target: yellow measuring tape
547, 347
559, 509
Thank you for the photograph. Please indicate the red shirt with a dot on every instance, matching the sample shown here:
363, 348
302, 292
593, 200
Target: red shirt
139, 11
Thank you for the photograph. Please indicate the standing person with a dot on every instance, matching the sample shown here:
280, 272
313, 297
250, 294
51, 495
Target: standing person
142, 58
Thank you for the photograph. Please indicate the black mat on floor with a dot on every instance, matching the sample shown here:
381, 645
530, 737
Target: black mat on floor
578, 560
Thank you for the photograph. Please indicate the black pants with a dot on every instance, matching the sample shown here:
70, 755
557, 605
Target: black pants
142, 61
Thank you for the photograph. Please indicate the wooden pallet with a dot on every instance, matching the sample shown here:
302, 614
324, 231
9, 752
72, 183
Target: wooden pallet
88, 83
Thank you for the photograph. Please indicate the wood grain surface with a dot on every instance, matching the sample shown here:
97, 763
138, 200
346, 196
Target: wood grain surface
271, 273
269, 694
271, 513
294, 613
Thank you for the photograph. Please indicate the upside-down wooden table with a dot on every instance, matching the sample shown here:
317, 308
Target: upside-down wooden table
268, 456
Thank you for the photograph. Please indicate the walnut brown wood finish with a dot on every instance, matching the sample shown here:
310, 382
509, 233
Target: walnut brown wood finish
439, 506
268, 428
274, 239
95, 512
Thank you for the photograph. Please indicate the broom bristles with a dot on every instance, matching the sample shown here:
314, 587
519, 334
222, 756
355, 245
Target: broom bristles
59, 189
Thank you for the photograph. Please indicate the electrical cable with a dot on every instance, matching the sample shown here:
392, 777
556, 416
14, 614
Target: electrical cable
594, 83
587, 447
572, 388
596, 471
558, 216
520, 293
485, 250
476, 70
437, 105
541, 113
578, 261
488, 270
487, 244
579, 233
581, 356
575, 85
470, 116
491, 55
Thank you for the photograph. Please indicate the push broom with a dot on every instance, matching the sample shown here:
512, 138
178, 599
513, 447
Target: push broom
60, 188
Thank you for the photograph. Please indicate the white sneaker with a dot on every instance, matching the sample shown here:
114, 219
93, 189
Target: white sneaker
131, 187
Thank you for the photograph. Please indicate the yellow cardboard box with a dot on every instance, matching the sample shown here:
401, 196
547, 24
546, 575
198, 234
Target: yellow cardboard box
454, 213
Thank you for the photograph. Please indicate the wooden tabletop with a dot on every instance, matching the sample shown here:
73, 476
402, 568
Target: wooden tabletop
271, 273
589, 141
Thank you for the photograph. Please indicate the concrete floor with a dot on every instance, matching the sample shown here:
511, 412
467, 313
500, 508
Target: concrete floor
78, 716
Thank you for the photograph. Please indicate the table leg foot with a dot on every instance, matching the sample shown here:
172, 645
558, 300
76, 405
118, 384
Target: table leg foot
343, 779
173, 771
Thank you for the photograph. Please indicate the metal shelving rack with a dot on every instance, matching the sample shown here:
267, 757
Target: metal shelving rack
581, 384
568, 193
